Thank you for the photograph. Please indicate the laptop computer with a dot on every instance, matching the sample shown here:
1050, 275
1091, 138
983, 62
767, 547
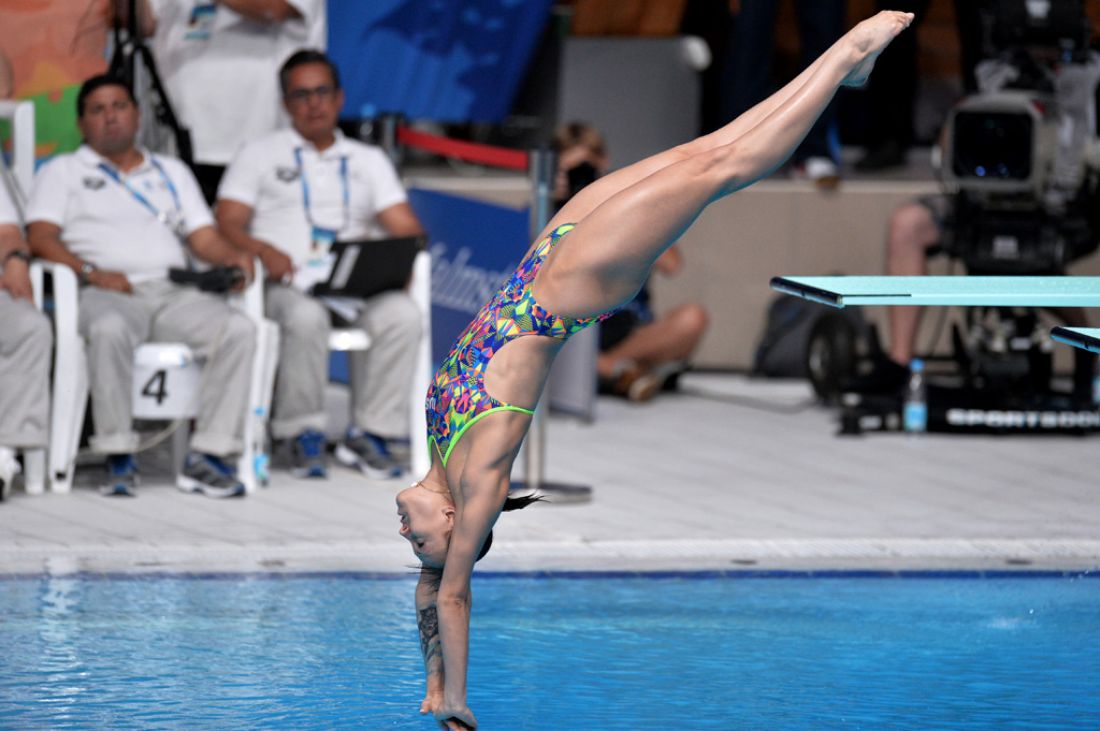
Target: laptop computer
362, 269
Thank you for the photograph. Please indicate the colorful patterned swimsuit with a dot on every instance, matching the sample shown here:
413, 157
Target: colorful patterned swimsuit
457, 397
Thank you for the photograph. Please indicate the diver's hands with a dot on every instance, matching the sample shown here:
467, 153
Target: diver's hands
433, 699
455, 717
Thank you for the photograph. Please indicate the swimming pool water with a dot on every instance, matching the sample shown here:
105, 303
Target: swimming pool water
686, 652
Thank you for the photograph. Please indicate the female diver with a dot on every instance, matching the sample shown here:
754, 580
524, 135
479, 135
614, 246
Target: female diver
591, 258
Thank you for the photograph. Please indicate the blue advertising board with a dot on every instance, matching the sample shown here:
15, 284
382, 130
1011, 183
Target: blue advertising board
475, 247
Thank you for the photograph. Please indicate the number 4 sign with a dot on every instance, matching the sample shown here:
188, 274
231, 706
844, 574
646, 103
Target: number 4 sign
166, 382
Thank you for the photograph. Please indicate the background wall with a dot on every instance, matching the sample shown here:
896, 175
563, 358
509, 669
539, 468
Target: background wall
776, 227
788, 228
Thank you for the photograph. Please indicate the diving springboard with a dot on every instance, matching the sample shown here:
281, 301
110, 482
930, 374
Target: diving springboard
1085, 338
841, 291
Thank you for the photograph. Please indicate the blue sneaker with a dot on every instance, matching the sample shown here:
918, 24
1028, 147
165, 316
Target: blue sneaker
309, 455
121, 476
400, 451
368, 454
209, 475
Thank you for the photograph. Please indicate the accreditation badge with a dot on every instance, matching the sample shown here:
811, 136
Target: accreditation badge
320, 241
319, 263
200, 24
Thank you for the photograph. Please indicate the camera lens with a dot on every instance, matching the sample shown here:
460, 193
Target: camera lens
992, 145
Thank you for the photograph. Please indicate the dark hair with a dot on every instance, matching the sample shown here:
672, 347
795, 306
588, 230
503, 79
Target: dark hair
579, 134
97, 82
512, 503
303, 57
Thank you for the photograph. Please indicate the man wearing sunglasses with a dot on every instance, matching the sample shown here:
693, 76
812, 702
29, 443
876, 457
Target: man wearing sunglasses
287, 198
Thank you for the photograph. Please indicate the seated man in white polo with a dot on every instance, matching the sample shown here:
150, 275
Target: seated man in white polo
285, 198
121, 217
25, 345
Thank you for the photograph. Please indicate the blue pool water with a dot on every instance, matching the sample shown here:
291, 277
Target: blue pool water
683, 652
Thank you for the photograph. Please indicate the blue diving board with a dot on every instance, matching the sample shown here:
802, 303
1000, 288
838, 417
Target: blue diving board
1085, 338
840, 291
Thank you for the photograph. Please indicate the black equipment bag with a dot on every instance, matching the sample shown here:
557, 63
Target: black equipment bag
804, 339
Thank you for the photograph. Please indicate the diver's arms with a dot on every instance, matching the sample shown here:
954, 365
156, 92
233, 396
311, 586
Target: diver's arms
428, 623
471, 526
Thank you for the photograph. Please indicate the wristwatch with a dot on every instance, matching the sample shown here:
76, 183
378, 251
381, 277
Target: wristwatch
18, 254
86, 269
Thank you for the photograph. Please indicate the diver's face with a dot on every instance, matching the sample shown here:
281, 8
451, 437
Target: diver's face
426, 522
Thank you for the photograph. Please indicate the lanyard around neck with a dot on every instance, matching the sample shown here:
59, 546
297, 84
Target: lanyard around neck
163, 217
346, 195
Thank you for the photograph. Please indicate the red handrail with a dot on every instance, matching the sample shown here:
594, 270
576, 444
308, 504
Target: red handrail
500, 157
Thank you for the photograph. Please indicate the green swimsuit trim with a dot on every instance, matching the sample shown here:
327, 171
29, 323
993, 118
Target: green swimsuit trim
467, 425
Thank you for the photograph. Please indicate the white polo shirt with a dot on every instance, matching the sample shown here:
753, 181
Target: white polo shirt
8, 213
9, 216
222, 69
102, 221
265, 176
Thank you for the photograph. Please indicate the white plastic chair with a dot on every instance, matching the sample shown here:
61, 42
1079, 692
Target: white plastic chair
420, 288
35, 460
18, 177
173, 361
357, 339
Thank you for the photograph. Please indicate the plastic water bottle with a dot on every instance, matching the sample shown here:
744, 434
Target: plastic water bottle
261, 464
915, 412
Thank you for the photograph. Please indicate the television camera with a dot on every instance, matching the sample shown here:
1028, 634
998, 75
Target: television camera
1021, 165
1021, 157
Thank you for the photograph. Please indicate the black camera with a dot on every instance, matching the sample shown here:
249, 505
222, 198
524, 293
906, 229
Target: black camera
580, 176
1017, 157
994, 140
217, 280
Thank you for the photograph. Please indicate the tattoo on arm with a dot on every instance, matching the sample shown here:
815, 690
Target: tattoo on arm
430, 647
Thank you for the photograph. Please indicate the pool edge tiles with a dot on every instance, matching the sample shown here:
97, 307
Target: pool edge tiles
393, 558
690, 575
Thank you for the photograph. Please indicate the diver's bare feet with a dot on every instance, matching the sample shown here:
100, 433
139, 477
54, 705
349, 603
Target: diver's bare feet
870, 38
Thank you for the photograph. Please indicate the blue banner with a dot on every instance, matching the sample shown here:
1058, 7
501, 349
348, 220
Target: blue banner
475, 247
444, 61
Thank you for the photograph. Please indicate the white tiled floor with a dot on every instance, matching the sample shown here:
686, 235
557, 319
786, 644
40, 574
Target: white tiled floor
687, 482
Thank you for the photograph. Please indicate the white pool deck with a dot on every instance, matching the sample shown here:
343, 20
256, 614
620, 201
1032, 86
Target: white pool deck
683, 483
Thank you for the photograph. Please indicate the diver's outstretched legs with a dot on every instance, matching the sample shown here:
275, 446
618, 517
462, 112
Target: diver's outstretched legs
592, 195
604, 261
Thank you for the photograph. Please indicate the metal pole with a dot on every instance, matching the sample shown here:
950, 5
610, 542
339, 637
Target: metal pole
540, 171
388, 124
541, 168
